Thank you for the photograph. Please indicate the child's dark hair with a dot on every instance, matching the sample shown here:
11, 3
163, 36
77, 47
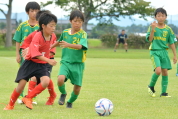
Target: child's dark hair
40, 13
32, 5
76, 13
46, 18
163, 11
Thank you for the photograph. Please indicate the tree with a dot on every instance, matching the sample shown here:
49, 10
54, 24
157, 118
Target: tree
8, 42
99, 9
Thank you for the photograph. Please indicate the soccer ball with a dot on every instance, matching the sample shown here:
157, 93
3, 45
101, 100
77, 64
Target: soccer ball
104, 107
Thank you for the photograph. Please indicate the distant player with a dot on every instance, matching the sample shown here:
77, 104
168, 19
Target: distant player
23, 30
160, 35
36, 61
122, 38
74, 43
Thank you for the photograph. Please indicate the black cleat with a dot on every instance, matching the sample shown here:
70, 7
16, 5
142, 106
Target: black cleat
62, 99
151, 91
69, 105
165, 95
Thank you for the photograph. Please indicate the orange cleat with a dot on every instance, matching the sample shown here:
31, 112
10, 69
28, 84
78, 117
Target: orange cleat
51, 100
27, 102
8, 107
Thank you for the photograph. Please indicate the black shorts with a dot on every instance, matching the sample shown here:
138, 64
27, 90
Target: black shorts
29, 69
121, 41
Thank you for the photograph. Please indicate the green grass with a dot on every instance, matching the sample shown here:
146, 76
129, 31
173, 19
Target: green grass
121, 77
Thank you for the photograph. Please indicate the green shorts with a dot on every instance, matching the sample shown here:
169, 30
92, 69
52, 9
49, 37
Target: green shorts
72, 71
161, 59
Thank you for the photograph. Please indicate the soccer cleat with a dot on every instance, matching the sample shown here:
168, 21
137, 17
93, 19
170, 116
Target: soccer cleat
8, 107
62, 99
69, 105
19, 100
151, 91
51, 100
165, 95
114, 50
177, 74
34, 101
27, 102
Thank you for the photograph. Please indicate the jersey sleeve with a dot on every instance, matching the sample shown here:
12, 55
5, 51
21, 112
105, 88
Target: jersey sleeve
83, 41
125, 35
148, 34
34, 46
18, 34
171, 38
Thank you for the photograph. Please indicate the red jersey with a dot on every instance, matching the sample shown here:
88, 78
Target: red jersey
40, 47
29, 38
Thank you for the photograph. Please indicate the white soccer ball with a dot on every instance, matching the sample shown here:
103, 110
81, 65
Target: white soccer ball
104, 107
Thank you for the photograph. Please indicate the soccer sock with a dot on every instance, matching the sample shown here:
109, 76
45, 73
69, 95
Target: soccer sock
21, 94
51, 88
37, 90
164, 83
153, 80
62, 89
73, 97
31, 86
13, 97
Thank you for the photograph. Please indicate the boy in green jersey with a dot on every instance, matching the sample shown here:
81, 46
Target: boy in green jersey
74, 44
23, 30
160, 35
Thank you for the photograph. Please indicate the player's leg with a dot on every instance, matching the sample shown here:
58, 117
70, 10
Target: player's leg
157, 71
125, 46
76, 79
74, 96
165, 65
22, 93
61, 87
31, 85
15, 94
116, 46
62, 78
27, 100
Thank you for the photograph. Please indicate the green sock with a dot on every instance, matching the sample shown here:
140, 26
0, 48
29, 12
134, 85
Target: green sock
73, 97
164, 83
62, 89
21, 94
153, 80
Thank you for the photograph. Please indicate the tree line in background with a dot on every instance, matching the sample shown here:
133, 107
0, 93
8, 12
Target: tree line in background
91, 9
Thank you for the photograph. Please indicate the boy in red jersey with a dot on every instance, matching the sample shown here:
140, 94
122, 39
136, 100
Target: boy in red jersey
36, 61
23, 30
32, 83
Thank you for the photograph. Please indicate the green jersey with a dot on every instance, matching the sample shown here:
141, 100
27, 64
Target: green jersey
162, 37
23, 30
74, 55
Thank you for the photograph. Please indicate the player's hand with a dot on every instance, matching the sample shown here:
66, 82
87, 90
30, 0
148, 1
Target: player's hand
63, 44
125, 43
25, 52
52, 62
175, 59
18, 59
153, 25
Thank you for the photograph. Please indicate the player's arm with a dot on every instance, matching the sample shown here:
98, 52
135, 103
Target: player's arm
50, 61
64, 44
174, 52
18, 59
153, 26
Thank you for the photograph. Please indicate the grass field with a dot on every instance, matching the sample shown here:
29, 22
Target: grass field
121, 77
